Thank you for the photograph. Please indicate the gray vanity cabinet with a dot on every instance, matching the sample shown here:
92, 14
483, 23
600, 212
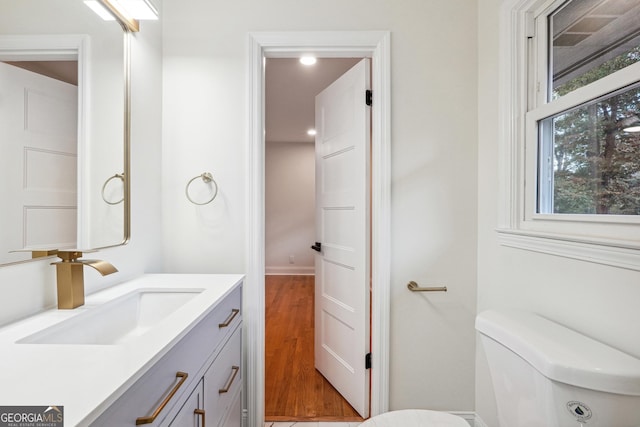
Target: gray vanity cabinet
197, 383
223, 384
217, 396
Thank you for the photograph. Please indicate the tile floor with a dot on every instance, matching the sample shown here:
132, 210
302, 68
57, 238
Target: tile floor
310, 424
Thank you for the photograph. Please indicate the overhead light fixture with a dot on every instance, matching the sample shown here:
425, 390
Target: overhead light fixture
100, 10
136, 9
308, 60
311, 132
128, 12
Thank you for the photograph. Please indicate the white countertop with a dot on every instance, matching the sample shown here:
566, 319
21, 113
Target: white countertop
87, 379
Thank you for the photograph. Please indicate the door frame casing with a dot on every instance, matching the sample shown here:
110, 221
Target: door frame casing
329, 44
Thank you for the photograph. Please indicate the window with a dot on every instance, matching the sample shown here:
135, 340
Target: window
589, 154
571, 144
588, 40
589, 157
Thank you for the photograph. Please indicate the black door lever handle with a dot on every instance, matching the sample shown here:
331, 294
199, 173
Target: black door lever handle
317, 247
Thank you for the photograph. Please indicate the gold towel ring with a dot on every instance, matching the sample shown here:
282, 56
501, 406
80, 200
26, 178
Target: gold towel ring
104, 187
206, 178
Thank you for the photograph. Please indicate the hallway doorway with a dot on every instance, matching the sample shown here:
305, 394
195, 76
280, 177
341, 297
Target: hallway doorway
300, 392
263, 45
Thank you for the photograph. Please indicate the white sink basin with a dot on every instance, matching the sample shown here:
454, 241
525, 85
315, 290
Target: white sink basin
118, 321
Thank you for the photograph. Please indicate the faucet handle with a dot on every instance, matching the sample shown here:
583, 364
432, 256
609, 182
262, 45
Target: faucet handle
69, 256
72, 255
41, 253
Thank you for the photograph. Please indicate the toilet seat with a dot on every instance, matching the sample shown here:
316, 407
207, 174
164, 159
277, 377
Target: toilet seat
415, 418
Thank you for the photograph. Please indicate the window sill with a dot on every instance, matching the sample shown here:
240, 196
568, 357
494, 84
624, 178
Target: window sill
611, 253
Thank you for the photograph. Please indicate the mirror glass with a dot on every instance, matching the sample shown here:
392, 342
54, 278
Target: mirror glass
63, 139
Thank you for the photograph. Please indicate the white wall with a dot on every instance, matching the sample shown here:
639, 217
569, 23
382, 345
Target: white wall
599, 301
434, 160
30, 287
289, 207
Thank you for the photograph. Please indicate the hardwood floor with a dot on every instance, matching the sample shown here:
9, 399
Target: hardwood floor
294, 390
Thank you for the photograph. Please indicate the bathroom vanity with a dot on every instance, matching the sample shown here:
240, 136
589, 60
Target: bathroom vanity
159, 350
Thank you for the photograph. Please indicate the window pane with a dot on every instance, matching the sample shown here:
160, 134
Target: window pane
589, 161
591, 39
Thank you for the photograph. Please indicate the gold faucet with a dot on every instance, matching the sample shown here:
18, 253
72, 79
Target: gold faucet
70, 277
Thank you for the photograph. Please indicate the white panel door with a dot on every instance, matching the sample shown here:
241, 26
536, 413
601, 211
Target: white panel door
342, 227
38, 166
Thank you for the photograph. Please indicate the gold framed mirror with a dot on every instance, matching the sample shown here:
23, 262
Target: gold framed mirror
65, 129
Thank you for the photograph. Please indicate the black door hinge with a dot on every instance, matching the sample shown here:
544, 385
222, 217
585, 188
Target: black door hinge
367, 361
368, 98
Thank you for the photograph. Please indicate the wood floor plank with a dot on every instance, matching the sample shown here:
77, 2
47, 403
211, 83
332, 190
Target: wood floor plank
294, 389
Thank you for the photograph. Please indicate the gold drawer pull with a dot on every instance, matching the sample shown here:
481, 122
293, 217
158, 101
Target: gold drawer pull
148, 420
232, 316
235, 370
201, 413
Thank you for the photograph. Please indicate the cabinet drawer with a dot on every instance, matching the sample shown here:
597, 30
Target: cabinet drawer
190, 355
225, 319
188, 415
223, 380
233, 418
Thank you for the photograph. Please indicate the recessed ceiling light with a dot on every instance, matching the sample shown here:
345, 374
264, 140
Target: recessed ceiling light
308, 60
311, 132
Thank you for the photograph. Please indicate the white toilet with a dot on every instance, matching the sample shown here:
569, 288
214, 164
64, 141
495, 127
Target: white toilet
546, 375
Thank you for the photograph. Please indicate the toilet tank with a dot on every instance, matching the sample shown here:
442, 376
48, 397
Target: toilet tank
547, 375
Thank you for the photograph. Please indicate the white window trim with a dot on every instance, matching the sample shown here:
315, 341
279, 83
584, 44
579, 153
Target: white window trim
615, 244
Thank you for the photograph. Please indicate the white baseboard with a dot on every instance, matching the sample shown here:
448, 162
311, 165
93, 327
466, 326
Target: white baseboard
289, 271
472, 418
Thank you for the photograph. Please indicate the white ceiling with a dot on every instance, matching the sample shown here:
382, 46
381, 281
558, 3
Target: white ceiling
290, 90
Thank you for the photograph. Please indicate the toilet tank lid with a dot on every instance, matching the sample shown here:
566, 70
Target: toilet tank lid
562, 354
